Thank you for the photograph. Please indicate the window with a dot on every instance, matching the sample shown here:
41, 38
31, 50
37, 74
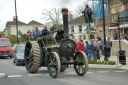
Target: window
72, 28
80, 28
84, 37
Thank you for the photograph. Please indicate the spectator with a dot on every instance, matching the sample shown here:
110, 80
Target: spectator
86, 47
102, 46
121, 36
82, 45
35, 34
115, 35
108, 47
91, 50
95, 49
98, 46
78, 46
24, 42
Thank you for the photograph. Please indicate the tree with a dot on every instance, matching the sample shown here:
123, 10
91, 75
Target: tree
80, 7
12, 38
53, 15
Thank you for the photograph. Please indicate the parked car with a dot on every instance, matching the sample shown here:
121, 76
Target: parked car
5, 48
18, 57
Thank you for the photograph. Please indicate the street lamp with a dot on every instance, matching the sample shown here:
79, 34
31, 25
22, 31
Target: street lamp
16, 20
104, 31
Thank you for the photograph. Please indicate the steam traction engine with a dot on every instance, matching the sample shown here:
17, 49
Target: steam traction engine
54, 52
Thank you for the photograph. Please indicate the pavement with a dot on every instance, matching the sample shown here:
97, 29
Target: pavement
117, 66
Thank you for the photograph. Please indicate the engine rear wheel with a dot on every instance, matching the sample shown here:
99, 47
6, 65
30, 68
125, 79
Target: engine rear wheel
32, 57
53, 64
82, 67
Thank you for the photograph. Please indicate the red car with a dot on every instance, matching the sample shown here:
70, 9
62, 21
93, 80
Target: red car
5, 48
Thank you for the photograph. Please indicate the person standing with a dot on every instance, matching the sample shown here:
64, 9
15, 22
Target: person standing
86, 47
82, 45
95, 49
91, 50
45, 31
35, 34
98, 47
78, 46
108, 47
115, 35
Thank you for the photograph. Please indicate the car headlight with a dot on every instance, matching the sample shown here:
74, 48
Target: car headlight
20, 57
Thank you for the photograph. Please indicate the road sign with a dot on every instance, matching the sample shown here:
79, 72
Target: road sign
28, 33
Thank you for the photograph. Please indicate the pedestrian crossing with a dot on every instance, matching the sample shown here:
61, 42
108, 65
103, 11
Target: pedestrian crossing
66, 73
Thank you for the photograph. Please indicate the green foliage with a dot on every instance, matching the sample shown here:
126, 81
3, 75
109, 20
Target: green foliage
55, 26
102, 62
13, 38
80, 36
52, 29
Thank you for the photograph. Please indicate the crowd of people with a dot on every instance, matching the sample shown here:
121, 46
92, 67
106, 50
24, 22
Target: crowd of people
93, 47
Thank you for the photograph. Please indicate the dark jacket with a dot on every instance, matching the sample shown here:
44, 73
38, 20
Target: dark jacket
108, 44
45, 32
91, 48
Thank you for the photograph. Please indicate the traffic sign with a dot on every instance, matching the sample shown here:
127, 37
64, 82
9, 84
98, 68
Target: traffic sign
28, 33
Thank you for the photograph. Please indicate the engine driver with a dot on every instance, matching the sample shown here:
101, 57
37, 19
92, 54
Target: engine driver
45, 31
35, 33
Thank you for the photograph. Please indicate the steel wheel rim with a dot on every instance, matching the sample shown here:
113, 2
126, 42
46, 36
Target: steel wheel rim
29, 57
82, 67
53, 65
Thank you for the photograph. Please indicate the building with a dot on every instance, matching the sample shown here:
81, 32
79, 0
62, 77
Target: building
23, 27
78, 29
113, 8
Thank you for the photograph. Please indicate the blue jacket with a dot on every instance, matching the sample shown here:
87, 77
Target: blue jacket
47, 32
35, 34
86, 48
91, 48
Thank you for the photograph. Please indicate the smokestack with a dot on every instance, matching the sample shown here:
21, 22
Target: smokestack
65, 22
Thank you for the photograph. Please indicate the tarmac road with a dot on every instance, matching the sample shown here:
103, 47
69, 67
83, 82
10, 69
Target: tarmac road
17, 75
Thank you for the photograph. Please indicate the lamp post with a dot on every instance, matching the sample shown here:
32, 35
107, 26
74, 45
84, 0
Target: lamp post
104, 31
16, 20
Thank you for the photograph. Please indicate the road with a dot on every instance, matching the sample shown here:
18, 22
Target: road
17, 75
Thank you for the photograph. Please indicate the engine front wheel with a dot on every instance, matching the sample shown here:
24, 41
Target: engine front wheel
53, 64
82, 66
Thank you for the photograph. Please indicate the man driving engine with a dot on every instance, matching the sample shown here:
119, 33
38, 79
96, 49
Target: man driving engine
35, 33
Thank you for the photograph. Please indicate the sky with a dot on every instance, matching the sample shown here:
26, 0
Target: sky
28, 10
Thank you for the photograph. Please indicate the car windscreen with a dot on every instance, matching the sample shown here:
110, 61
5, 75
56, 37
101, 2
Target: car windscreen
20, 48
5, 43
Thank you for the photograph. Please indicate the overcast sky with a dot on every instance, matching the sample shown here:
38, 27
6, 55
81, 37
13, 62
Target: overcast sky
28, 10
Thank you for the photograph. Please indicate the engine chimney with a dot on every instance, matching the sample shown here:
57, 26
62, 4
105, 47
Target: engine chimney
65, 22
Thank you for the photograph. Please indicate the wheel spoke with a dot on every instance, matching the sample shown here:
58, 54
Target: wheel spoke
51, 58
30, 63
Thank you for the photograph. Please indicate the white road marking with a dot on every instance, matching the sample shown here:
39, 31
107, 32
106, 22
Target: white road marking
120, 71
15, 76
102, 71
2, 74
90, 72
34, 74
